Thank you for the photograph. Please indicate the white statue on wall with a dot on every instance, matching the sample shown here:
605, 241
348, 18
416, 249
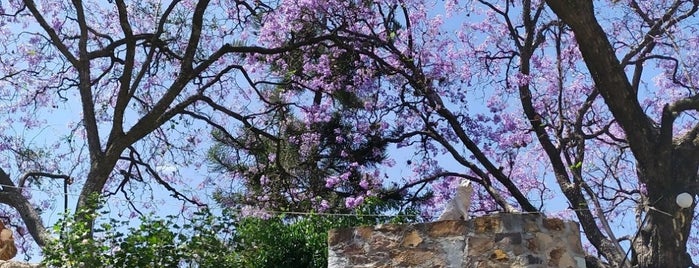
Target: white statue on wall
457, 207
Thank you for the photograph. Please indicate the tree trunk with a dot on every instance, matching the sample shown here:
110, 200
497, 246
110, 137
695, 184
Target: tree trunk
94, 184
662, 239
661, 242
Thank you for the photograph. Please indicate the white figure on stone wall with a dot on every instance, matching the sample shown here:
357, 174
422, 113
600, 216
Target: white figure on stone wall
457, 207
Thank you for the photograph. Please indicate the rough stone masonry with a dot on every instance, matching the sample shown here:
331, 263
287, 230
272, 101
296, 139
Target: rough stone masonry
499, 240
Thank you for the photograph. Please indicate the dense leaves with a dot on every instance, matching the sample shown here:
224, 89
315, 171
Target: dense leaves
302, 241
207, 240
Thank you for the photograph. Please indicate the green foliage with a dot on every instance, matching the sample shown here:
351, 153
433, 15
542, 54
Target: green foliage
208, 240
205, 242
274, 243
287, 241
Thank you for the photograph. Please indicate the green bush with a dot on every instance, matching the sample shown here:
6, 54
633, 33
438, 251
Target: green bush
207, 240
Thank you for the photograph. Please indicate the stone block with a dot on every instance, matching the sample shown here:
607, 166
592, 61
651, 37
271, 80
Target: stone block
567, 261
532, 245
486, 224
574, 244
499, 255
417, 258
544, 240
411, 240
446, 228
478, 246
364, 232
454, 251
555, 257
533, 260
381, 242
516, 223
341, 235
508, 238
554, 224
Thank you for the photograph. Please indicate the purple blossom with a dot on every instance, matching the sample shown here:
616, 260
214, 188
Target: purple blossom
364, 184
522, 79
353, 202
254, 212
264, 180
331, 181
324, 206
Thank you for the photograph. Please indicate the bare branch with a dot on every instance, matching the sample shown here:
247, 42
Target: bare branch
135, 157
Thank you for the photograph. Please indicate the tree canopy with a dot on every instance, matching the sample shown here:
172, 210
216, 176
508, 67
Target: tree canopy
588, 103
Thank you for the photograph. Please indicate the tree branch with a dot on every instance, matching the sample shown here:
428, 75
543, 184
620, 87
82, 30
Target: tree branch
691, 103
135, 157
608, 75
12, 196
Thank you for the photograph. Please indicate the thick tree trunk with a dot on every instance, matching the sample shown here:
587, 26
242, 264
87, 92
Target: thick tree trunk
662, 239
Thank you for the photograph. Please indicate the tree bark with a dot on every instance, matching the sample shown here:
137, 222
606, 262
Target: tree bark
662, 240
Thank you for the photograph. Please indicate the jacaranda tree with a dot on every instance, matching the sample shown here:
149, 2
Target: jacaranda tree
588, 103
591, 103
134, 88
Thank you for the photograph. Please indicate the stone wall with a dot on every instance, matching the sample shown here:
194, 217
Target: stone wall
499, 240
16, 264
